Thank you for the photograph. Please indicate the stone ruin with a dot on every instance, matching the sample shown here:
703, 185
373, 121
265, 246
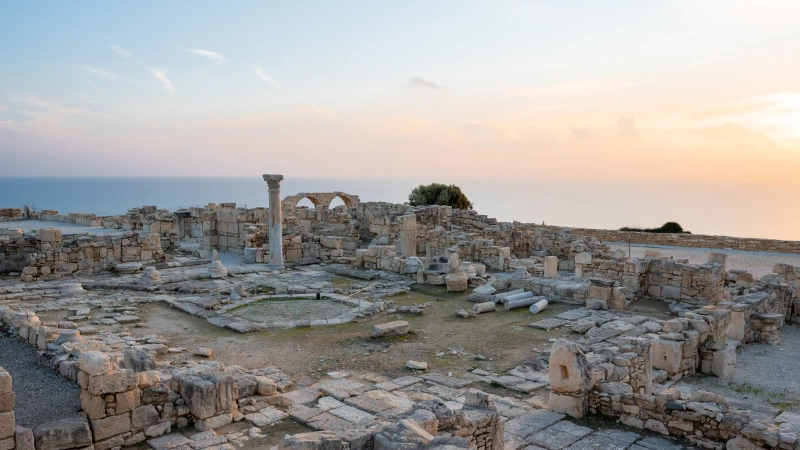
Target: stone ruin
619, 365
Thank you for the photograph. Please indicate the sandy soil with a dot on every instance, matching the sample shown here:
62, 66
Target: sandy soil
496, 341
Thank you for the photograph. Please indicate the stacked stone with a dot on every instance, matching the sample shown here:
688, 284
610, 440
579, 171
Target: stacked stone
569, 380
112, 399
7, 421
86, 255
605, 294
702, 284
228, 219
209, 396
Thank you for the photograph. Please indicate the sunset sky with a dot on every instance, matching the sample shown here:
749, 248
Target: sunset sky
704, 90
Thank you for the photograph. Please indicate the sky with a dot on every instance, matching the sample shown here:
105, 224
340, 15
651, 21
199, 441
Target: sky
680, 90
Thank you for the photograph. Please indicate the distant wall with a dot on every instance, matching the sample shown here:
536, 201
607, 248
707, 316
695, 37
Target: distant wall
692, 240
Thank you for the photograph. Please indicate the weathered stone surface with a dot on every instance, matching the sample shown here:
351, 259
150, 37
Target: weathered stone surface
95, 363
144, 416
559, 436
23, 437
7, 423
63, 434
396, 328
138, 360
321, 440
119, 381
111, 426
606, 440
168, 442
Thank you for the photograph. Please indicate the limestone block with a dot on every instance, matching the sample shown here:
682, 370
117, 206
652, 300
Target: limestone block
576, 407
93, 405
551, 267
144, 416
617, 300
95, 363
266, 386
138, 359
569, 370
119, 381
5, 381
63, 434
331, 242
7, 424
24, 439
321, 440
583, 258
213, 422
111, 426
724, 361
671, 292
127, 401
200, 395
6, 402
603, 293
666, 355
396, 328
48, 234
456, 282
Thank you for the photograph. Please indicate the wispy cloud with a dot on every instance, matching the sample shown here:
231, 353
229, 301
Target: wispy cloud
582, 133
419, 82
107, 74
734, 133
265, 76
626, 128
164, 79
121, 51
215, 58
570, 90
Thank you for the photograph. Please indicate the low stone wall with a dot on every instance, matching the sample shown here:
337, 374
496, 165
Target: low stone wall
83, 255
692, 240
617, 381
125, 398
10, 214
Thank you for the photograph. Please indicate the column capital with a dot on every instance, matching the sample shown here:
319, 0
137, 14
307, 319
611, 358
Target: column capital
274, 181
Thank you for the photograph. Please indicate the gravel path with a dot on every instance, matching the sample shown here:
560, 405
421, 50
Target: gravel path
42, 395
757, 263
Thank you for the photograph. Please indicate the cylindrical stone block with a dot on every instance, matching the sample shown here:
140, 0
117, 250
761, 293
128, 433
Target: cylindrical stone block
485, 307
538, 307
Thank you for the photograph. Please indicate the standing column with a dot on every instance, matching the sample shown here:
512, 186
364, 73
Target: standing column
275, 222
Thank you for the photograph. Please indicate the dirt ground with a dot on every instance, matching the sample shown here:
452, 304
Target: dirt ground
496, 341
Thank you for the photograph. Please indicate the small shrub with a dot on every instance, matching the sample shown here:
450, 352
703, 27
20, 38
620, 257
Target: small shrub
669, 227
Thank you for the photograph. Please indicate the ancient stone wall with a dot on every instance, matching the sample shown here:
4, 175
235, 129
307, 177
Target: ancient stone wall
618, 382
698, 284
83, 255
692, 240
125, 397
10, 214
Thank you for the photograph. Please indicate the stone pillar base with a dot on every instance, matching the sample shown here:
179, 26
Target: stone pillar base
576, 407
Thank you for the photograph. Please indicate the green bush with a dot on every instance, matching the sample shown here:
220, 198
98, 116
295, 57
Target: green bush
439, 194
669, 227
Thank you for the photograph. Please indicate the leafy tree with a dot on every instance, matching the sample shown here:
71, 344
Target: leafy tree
439, 194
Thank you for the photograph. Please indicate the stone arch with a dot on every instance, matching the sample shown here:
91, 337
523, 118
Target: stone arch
290, 202
344, 198
320, 198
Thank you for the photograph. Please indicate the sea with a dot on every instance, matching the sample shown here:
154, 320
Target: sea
743, 210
